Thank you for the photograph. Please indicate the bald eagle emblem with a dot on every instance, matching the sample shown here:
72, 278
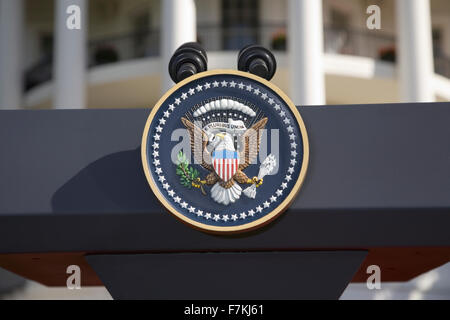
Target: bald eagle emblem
225, 136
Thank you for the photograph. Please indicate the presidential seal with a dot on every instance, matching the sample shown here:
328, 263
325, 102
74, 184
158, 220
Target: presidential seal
225, 151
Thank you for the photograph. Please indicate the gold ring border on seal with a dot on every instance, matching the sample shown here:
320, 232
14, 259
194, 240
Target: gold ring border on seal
251, 225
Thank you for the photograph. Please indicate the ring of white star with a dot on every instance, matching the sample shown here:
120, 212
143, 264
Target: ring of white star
209, 215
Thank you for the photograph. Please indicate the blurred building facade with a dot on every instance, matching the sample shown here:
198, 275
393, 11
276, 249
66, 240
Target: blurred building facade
325, 53
125, 45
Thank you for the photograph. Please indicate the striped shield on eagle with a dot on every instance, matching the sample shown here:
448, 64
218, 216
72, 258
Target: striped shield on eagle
226, 163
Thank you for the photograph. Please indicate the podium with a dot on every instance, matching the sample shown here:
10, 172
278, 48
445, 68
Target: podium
377, 192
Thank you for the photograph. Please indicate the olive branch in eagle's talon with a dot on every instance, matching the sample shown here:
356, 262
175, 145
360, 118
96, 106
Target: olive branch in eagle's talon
189, 177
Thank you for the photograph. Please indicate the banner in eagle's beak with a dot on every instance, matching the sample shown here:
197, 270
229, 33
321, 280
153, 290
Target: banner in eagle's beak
225, 163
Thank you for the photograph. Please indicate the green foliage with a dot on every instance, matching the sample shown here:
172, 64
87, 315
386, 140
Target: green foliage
185, 171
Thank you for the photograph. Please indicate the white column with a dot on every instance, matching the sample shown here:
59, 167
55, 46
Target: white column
305, 45
69, 68
11, 66
178, 25
415, 51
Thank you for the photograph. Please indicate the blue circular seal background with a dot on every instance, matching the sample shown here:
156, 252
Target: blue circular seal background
284, 139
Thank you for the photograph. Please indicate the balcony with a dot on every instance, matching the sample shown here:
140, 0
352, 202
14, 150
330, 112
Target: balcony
363, 43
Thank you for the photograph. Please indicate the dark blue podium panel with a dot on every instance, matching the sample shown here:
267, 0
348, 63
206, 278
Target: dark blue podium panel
228, 275
71, 181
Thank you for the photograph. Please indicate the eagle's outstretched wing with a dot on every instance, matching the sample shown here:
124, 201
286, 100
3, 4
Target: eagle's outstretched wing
199, 141
249, 144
